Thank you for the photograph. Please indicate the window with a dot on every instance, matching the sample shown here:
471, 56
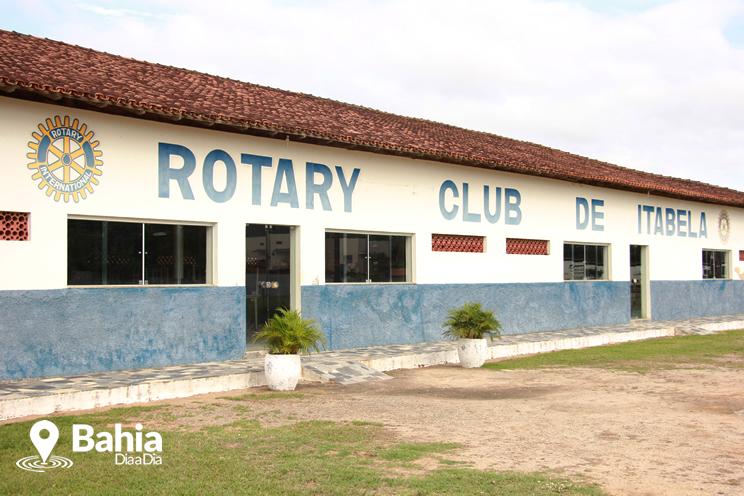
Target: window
715, 264
515, 246
457, 243
584, 262
14, 226
355, 257
124, 253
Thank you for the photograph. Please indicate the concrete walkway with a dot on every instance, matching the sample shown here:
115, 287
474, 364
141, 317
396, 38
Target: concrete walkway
57, 394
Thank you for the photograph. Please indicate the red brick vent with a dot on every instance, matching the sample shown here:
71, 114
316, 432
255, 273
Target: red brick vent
516, 246
13, 226
741, 255
456, 243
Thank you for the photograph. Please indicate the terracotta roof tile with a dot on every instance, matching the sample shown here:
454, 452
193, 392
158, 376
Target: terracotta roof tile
61, 71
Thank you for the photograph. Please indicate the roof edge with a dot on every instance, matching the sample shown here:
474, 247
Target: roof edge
153, 112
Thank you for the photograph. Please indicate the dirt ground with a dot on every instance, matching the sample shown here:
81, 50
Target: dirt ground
674, 432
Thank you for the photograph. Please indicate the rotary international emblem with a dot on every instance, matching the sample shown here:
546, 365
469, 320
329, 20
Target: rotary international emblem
65, 159
724, 226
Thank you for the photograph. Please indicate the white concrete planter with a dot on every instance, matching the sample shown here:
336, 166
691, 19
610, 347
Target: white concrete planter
282, 371
472, 352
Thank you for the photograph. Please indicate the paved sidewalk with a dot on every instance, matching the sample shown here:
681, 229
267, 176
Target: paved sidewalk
44, 396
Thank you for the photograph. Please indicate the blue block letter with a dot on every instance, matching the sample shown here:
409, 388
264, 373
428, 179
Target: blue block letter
208, 176
257, 161
658, 222
597, 215
285, 171
582, 206
681, 223
649, 210
165, 173
448, 214
312, 189
493, 219
347, 188
703, 226
467, 216
512, 207
670, 227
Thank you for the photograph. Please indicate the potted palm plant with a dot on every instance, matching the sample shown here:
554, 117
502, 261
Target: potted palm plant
286, 335
469, 325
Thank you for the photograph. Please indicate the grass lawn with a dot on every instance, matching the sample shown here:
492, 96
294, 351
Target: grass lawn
239, 455
724, 349
243, 457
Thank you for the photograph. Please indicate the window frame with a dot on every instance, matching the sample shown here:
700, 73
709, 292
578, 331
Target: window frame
409, 254
606, 264
726, 264
209, 249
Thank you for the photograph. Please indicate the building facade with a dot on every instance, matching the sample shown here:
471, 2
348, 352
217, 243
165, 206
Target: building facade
135, 234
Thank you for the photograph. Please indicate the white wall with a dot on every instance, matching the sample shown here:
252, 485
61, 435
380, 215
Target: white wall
392, 194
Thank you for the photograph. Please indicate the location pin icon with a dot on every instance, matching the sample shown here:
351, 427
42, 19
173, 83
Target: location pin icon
44, 446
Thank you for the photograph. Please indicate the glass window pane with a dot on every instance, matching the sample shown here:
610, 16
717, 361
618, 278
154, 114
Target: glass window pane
724, 269
101, 252
600, 261
346, 257
591, 262
194, 262
708, 271
379, 259
399, 259
175, 254
333, 269
255, 258
278, 267
718, 257
161, 254
123, 260
84, 247
567, 262
578, 260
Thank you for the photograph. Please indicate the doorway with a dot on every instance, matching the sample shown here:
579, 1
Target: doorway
638, 282
269, 252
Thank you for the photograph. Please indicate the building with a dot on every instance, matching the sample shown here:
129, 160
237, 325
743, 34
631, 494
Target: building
152, 216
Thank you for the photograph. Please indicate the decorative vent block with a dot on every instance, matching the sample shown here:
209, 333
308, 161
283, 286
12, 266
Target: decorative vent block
13, 226
516, 246
457, 243
741, 255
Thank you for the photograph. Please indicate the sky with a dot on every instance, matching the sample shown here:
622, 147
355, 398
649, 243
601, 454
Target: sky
653, 85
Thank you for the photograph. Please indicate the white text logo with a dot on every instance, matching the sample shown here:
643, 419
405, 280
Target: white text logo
44, 446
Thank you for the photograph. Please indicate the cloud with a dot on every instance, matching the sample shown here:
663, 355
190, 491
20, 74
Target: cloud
113, 13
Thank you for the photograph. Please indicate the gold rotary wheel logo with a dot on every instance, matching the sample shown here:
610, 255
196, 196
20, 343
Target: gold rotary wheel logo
724, 226
65, 159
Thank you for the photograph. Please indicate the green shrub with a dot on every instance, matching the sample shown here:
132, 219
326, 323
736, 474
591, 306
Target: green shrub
287, 333
471, 321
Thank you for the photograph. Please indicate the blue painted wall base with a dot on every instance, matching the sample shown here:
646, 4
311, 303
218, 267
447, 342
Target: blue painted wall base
354, 316
50, 333
689, 299
65, 332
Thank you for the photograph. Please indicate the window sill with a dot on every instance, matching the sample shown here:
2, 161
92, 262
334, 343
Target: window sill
122, 286
366, 283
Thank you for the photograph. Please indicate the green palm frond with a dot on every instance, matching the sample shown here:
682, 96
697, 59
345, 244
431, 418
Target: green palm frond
471, 321
287, 333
